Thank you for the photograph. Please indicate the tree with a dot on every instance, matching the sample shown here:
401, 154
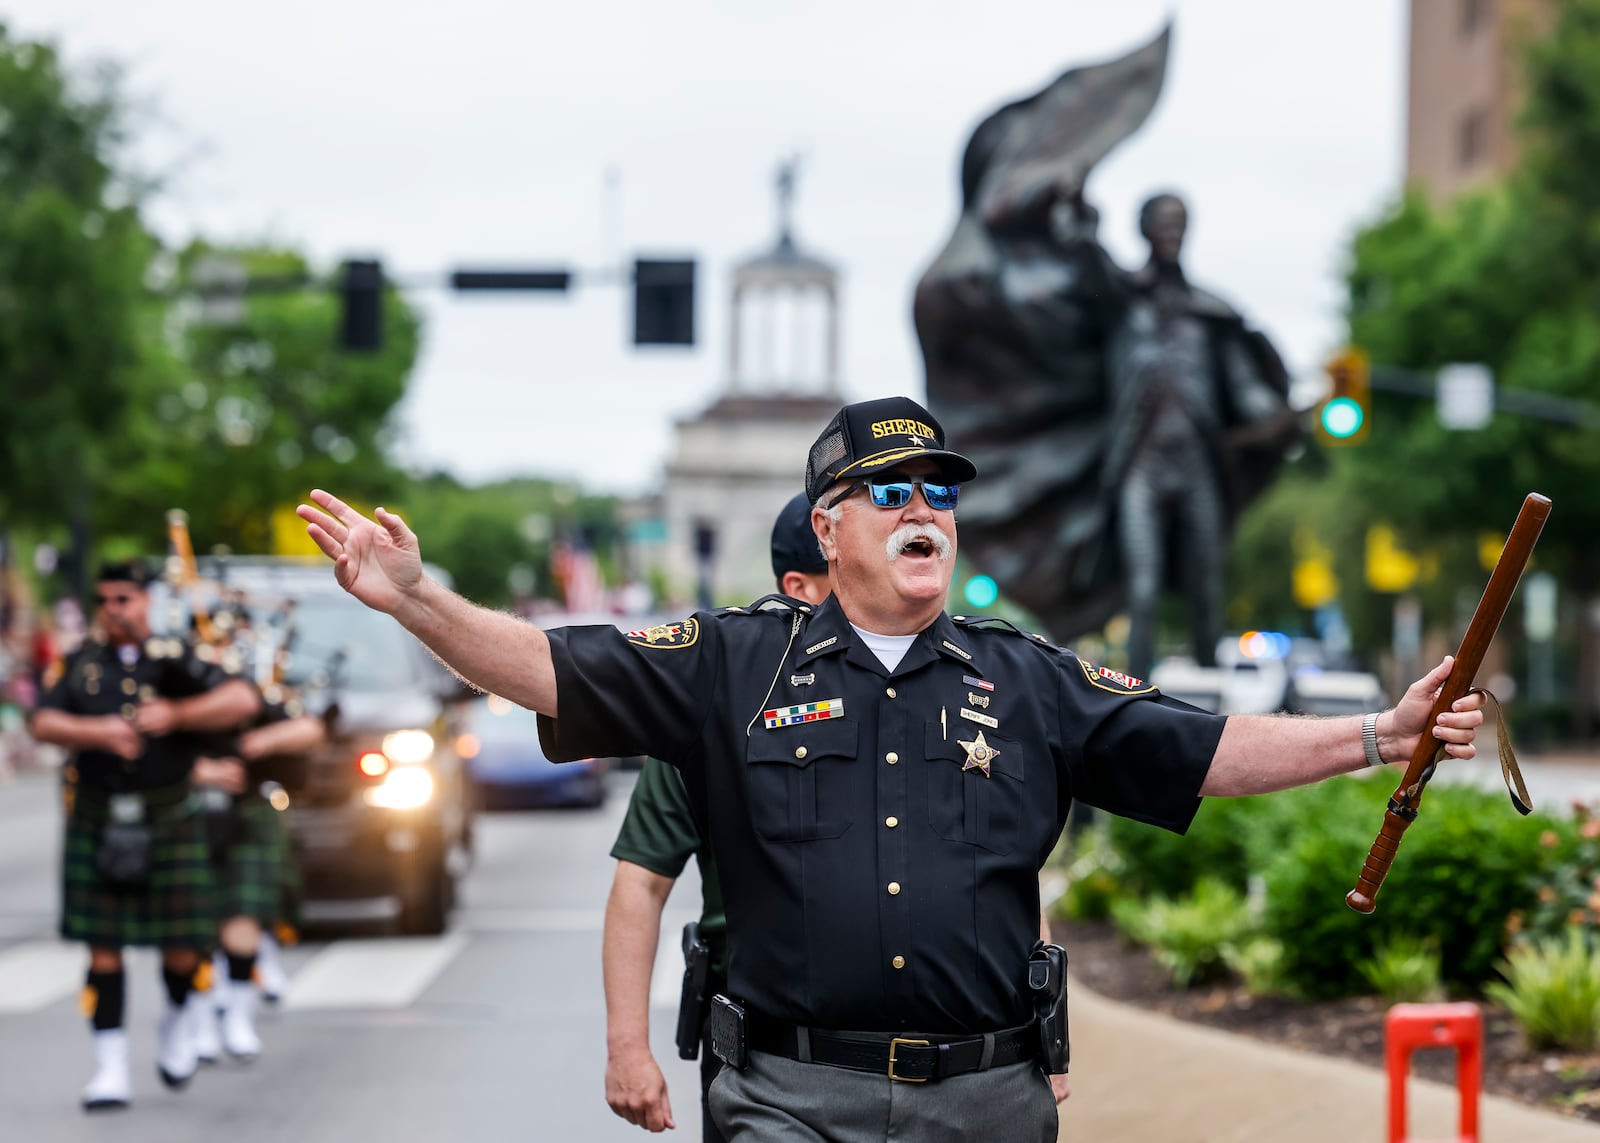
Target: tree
489, 535
240, 416
1510, 277
73, 254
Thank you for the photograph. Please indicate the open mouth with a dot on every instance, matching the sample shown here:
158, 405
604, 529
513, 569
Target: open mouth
918, 548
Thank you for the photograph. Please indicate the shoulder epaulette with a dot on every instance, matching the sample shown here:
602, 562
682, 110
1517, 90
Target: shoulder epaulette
773, 602
995, 623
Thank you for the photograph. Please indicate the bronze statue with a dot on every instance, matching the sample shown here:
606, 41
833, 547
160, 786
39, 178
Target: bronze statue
1121, 420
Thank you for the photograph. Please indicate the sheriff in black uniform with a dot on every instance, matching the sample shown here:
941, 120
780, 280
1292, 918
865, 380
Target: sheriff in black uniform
882, 783
136, 873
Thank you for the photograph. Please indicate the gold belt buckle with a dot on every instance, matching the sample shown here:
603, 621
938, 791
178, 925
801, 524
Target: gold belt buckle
894, 1045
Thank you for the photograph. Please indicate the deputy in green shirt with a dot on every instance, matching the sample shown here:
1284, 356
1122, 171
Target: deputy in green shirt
657, 838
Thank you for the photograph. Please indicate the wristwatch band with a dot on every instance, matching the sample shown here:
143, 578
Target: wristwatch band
1369, 740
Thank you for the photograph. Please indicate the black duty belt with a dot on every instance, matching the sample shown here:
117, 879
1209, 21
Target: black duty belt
909, 1059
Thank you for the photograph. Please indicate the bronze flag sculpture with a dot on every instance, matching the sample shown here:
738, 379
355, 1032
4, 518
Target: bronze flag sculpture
1121, 420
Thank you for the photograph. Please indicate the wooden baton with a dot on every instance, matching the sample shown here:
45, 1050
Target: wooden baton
1402, 810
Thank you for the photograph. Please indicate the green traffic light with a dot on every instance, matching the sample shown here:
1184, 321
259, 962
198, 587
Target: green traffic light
1342, 417
981, 591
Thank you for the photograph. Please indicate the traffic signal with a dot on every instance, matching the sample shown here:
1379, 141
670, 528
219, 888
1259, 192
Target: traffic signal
361, 300
663, 302
1345, 417
981, 591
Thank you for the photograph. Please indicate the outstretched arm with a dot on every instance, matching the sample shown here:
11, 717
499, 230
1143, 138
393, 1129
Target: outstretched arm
1261, 753
635, 1087
379, 562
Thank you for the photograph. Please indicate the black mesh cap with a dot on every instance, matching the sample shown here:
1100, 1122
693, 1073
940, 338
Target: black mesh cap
794, 542
871, 436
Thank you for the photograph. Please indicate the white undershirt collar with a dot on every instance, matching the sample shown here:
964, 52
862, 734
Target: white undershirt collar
890, 649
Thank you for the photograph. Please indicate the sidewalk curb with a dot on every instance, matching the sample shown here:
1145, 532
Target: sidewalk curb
1140, 1077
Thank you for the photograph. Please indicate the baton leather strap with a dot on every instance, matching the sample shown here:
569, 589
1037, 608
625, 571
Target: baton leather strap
1509, 770
908, 1059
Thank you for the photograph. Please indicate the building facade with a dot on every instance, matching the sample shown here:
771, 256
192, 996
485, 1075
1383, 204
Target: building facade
736, 463
1464, 86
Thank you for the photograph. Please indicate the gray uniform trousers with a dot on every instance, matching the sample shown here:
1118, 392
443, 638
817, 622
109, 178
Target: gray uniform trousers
778, 1100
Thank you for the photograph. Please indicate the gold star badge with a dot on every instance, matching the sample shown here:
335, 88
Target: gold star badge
979, 755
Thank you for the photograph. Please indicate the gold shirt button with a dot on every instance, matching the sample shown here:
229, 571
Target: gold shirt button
894, 888
891, 757
891, 821
890, 692
898, 962
129, 687
799, 751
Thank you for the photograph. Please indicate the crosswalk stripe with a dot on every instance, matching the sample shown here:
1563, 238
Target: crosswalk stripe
371, 974
36, 974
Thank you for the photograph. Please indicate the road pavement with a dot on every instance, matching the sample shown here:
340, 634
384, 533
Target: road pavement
496, 1029
493, 1031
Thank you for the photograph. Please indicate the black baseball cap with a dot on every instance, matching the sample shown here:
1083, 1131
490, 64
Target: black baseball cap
136, 572
794, 541
871, 436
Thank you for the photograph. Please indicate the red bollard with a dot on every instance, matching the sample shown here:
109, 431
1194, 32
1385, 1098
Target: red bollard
1412, 1026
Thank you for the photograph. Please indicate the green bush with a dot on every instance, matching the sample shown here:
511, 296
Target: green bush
1258, 961
1157, 861
1094, 878
1405, 970
1189, 936
1461, 872
1567, 889
1553, 992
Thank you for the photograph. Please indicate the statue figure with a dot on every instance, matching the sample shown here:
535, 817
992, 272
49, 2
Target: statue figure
1121, 420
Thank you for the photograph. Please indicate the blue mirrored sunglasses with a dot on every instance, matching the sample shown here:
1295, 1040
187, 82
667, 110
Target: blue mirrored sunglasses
897, 493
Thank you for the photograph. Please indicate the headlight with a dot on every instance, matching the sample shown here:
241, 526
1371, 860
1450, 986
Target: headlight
408, 747
402, 790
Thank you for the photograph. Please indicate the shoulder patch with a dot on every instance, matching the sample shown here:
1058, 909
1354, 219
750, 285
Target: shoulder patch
1115, 681
665, 636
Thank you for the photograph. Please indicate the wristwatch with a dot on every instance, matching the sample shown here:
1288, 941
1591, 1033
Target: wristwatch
1369, 740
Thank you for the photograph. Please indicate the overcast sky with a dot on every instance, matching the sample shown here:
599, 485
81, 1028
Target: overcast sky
433, 134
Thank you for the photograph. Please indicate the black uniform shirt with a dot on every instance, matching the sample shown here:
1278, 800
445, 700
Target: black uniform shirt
879, 858
96, 681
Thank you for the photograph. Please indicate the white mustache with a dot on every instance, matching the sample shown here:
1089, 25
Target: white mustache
907, 533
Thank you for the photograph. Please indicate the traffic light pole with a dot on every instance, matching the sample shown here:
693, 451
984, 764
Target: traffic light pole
1521, 402
663, 293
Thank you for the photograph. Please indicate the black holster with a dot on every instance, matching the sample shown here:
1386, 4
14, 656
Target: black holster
1047, 983
692, 1002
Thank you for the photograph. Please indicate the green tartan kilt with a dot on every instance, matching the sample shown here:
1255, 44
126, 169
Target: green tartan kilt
290, 887
174, 909
250, 869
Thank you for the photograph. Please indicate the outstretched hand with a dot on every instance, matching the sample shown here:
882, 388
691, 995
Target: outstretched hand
1456, 727
377, 561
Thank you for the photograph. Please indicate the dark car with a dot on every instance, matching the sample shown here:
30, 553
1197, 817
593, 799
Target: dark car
509, 767
381, 815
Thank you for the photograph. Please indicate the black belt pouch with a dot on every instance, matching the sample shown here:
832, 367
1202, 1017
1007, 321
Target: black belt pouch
124, 855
